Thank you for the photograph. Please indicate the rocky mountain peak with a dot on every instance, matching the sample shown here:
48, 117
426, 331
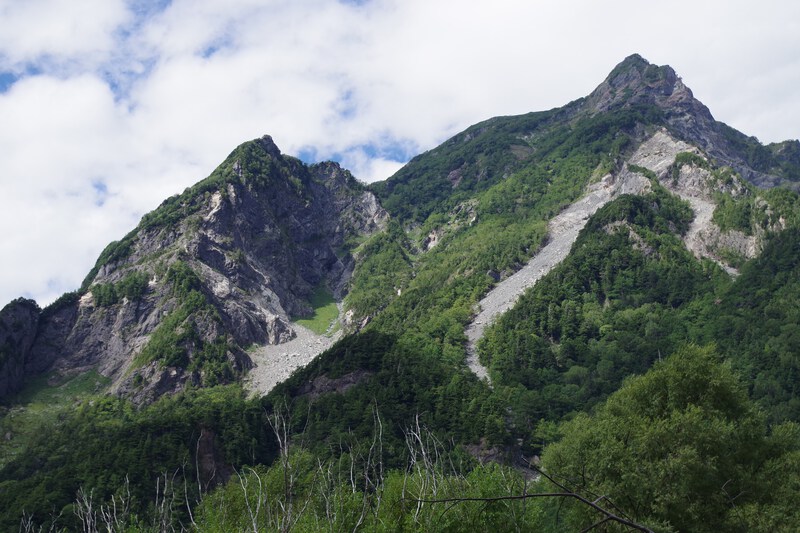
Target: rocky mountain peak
229, 263
268, 145
635, 81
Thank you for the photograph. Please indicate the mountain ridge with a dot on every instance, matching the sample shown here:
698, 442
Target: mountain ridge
211, 242
635, 88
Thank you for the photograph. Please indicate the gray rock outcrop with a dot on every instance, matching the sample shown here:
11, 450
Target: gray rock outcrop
18, 321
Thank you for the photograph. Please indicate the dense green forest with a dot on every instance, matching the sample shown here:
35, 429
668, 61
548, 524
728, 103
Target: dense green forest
634, 386
681, 448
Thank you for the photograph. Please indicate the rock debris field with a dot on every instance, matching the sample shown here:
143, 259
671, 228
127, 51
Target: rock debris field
656, 154
274, 363
562, 232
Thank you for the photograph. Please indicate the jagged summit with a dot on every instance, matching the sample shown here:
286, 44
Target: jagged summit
268, 145
635, 81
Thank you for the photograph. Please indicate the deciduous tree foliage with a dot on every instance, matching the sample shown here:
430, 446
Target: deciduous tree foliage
682, 448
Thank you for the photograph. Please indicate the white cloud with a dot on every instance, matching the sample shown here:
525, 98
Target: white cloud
368, 168
75, 31
130, 103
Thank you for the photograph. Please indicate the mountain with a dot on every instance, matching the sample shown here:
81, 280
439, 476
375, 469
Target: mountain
529, 290
224, 265
255, 241
634, 95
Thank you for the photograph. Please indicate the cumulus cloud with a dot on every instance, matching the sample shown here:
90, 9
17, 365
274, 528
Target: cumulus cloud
77, 32
107, 107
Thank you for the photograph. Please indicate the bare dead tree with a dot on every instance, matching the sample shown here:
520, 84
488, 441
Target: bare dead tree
425, 463
186, 495
606, 515
27, 524
114, 514
327, 491
289, 515
279, 423
163, 519
372, 470
197, 462
85, 511
244, 483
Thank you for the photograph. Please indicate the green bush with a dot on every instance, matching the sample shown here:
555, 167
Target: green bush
133, 286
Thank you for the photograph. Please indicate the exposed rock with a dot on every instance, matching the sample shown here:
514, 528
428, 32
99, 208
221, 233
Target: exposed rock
432, 239
658, 152
324, 385
637, 241
152, 381
697, 185
18, 323
464, 214
212, 468
486, 454
455, 177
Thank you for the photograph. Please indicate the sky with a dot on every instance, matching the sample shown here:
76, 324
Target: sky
107, 107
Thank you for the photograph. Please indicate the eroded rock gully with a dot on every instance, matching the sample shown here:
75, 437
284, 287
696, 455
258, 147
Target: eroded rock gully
657, 154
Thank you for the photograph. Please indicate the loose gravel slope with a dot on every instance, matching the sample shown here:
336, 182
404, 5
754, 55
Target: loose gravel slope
562, 232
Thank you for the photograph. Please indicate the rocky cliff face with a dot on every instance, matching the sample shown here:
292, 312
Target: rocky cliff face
18, 321
210, 272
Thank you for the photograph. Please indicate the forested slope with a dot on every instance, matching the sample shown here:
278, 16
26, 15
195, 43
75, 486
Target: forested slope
637, 369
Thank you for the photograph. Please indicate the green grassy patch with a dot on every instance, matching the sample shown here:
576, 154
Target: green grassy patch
42, 401
325, 312
53, 390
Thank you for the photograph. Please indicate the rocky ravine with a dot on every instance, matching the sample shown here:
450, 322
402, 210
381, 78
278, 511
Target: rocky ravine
657, 154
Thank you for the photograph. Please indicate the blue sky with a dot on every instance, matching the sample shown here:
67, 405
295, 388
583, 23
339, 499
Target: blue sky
109, 106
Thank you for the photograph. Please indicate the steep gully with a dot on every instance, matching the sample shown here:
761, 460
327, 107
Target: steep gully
657, 154
562, 232
274, 363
